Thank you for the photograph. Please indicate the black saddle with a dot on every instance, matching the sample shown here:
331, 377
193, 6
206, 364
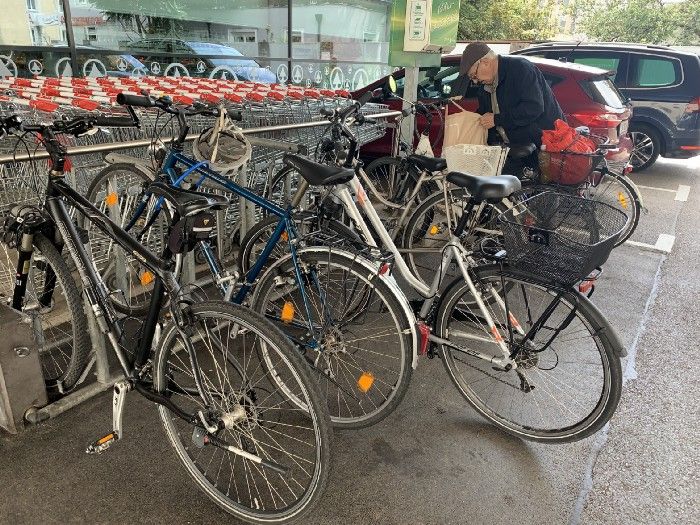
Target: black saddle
520, 151
485, 188
430, 164
319, 174
188, 202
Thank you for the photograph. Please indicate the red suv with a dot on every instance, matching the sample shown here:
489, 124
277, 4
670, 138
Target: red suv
586, 95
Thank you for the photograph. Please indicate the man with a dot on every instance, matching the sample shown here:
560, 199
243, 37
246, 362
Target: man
515, 101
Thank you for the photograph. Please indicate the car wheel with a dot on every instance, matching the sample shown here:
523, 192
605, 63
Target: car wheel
647, 145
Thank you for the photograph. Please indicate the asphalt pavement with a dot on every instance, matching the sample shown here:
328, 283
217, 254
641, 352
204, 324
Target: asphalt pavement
434, 460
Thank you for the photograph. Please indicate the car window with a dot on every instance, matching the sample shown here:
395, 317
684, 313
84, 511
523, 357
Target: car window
655, 72
608, 63
552, 80
603, 91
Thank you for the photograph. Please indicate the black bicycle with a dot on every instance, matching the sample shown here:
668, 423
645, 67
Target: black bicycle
261, 452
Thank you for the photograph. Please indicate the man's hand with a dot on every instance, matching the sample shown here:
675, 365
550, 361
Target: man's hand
486, 120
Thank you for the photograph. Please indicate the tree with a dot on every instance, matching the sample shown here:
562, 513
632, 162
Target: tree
505, 20
642, 21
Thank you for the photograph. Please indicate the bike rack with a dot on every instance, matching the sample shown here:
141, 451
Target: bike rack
36, 413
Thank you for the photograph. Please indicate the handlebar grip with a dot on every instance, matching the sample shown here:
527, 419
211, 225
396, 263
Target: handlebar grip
366, 97
327, 112
114, 122
125, 99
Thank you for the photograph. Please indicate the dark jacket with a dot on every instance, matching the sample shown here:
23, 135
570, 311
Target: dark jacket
526, 102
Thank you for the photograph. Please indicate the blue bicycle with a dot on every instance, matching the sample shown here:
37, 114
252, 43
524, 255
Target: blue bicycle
341, 309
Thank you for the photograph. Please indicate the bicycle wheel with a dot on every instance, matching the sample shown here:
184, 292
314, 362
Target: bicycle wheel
305, 222
568, 380
117, 191
290, 435
394, 181
283, 186
427, 234
59, 325
361, 345
618, 192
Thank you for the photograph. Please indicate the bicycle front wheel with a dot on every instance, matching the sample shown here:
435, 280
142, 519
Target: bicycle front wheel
568, 378
269, 459
349, 324
54, 304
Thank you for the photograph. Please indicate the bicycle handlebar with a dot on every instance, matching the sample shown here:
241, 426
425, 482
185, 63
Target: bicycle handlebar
165, 104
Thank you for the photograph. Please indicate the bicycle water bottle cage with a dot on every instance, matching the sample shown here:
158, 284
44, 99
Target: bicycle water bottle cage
188, 231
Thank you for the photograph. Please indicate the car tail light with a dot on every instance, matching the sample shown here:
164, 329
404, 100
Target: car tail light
693, 106
599, 120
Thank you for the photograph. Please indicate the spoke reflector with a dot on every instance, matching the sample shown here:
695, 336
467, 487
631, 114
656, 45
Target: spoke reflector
365, 382
146, 278
622, 199
434, 230
112, 199
287, 312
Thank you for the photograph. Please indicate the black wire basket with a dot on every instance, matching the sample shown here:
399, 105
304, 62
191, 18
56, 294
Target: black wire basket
560, 238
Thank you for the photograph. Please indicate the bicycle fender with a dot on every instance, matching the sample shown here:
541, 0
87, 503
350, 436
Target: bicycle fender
372, 273
609, 332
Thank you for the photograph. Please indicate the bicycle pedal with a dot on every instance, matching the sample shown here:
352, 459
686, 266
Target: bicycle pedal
102, 444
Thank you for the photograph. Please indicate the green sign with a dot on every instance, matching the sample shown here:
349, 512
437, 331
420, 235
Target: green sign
440, 36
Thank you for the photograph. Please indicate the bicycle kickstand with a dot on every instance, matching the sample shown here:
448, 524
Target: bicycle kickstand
121, 388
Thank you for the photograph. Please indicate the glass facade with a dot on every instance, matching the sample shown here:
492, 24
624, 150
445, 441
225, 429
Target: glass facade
319, 43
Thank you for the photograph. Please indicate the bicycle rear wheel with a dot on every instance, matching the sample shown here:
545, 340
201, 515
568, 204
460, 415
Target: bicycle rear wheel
287, 429
568, 380
361, 341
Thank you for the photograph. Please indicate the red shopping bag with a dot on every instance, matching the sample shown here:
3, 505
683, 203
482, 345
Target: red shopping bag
566, 155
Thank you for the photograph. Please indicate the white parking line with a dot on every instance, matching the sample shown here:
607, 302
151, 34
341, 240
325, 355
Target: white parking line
681, 193
664, 244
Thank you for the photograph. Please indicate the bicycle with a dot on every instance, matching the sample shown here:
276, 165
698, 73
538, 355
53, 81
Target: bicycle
259, 452
320, 316
498, 326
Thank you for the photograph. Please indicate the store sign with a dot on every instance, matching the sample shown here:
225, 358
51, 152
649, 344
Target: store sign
421, 30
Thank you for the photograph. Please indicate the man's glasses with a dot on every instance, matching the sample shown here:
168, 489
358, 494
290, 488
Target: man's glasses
472, 76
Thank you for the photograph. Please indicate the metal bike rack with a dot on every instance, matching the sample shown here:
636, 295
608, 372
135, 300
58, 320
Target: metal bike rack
34, 412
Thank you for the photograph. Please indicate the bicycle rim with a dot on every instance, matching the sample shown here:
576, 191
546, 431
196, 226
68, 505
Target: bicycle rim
568, 380
360, 345
228, 342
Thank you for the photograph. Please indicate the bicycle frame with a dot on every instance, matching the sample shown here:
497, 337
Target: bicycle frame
285, 224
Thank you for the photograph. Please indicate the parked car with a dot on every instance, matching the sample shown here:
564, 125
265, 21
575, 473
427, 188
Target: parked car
663, 85
198, 59
586, 95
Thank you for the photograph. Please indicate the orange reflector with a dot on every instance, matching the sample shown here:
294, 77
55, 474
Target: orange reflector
108, 437
112, 199
496, 334
287, 312
622, 199
365, 382
146, 278
434, 230
284, 236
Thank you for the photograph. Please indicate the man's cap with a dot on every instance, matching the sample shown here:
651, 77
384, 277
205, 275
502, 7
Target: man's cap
472, 53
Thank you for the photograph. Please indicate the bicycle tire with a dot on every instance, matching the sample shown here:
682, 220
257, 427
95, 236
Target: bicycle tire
378, 170
348, 310
624, 197
61, 330
261, 430
261, 232
134, 296
426, 229
280, 192
527, 293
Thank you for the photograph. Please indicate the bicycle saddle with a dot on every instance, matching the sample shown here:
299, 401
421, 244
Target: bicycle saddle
485, 188
319, 174
430, 164
188, 202
520, 151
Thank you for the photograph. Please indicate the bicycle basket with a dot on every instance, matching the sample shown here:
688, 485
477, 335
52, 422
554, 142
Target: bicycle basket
475, 159
560, 238
567, 167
